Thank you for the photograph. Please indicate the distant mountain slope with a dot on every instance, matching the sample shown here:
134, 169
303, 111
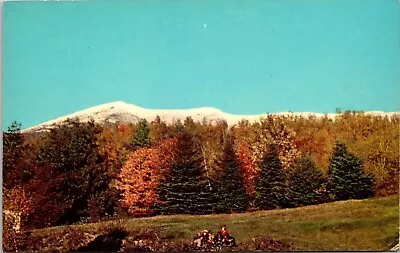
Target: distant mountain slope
123, 112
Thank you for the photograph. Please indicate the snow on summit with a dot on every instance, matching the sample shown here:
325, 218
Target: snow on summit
120, 111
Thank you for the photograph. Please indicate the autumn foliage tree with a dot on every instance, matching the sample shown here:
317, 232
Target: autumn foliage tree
140, 177
158, 130
112, 147
273, 130
248, 168
16, 208
17, 200
315, 137
46, 202
211, 145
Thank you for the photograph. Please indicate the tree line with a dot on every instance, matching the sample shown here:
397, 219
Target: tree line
83, 171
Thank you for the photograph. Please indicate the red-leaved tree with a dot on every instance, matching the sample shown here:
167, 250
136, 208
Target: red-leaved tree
248, 167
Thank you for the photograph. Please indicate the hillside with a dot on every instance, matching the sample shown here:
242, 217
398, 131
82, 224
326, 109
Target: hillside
370, 224
128, 113
83, 172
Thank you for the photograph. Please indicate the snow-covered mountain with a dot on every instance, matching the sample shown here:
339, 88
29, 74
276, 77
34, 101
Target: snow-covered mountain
123, 112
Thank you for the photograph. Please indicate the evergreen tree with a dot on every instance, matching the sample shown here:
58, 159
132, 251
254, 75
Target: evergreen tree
185, 190
141, 138
12, 152
305, 183
270, 186
346, 178
231, 194
70, 157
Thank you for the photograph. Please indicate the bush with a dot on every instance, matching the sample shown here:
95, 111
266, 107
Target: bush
110, 242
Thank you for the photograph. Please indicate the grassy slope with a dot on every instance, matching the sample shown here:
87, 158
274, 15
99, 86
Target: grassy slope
371, 224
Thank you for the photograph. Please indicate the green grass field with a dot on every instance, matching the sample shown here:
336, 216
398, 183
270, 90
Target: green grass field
371, 224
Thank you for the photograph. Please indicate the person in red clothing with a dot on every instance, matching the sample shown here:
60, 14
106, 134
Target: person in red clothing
225, 237
224, 232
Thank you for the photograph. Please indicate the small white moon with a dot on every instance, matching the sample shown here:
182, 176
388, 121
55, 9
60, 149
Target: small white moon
205, 25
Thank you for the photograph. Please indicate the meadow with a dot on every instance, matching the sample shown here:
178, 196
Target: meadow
371, 224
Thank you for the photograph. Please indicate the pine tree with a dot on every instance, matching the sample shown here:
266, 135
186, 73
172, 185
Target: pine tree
305, 183
232, 196
185, 190
346, 178
141, 138
270, 186
13, 149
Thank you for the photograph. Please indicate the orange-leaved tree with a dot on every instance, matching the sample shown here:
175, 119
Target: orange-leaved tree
141, 174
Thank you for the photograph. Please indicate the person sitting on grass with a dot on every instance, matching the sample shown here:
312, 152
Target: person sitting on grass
224, 232
210, 237
224, 237
207, 236
203, 238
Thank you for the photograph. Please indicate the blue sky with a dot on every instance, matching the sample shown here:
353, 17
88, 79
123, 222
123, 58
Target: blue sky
243, 57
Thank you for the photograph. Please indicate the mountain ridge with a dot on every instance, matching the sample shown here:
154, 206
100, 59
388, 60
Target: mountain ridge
120, 111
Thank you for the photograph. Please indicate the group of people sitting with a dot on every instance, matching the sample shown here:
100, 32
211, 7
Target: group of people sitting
221, 238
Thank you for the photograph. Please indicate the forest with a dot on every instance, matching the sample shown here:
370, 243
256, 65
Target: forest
87, 172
